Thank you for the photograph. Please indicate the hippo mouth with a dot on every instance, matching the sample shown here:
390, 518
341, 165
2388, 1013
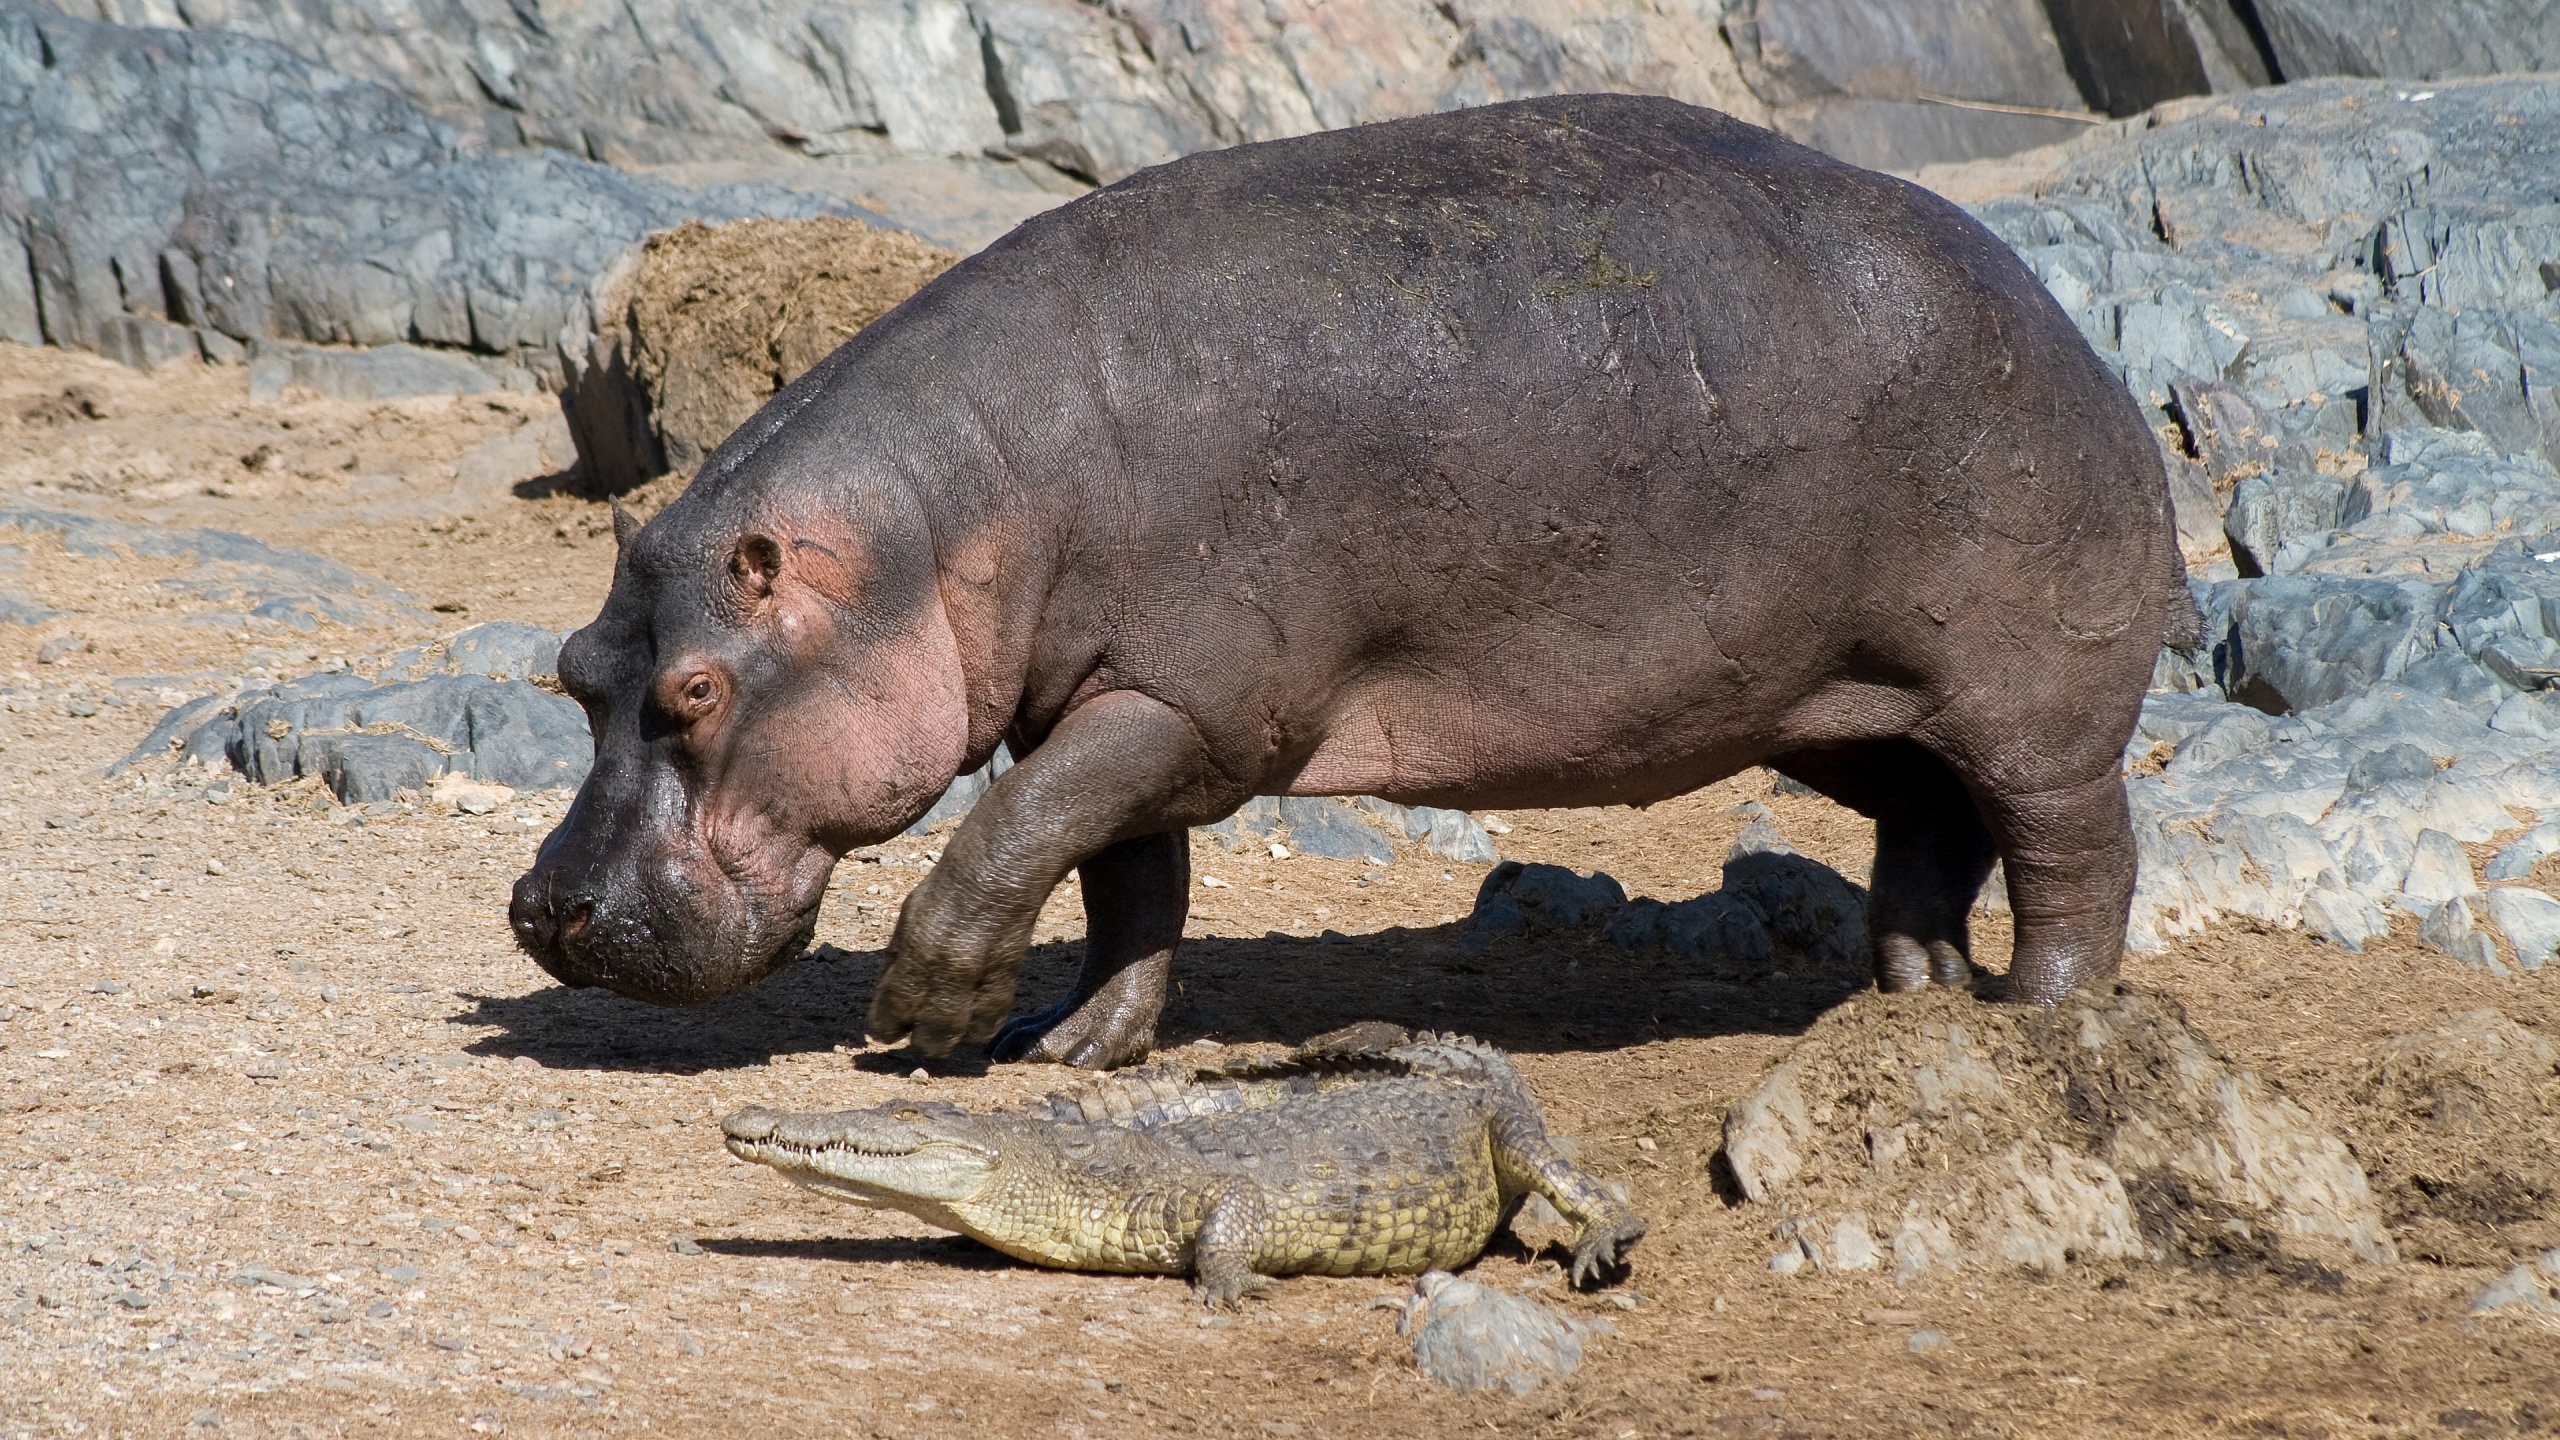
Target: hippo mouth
647, 949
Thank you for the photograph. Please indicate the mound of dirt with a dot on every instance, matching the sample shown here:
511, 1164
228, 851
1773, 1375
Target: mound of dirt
1929, 1131
698, 326
2455, 1126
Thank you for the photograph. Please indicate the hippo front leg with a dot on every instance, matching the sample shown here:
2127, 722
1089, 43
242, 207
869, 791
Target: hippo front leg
1136, 894
1120, 772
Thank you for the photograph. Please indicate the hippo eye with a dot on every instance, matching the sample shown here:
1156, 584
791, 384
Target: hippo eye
699, 692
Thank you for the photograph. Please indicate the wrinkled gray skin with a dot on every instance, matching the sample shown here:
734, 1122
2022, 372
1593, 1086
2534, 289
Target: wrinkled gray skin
1570, 452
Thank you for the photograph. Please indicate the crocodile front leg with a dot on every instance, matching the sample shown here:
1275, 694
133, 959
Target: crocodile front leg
1232, 1238
1529, 1164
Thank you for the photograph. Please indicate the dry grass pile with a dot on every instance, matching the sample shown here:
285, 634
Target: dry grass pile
699, 328
2456, 1126
1927, 1131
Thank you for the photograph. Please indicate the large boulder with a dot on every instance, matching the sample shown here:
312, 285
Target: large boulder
1099, 90
166, 192
2410, 39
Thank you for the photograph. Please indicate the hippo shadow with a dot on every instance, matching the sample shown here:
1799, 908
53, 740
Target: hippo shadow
1543, 989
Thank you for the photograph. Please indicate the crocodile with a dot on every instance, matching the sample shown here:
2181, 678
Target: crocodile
1363, 1152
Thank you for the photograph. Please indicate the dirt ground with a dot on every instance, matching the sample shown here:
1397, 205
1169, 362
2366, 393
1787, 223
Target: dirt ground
297, 1144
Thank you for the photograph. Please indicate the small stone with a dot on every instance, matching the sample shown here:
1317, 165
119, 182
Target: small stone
134, 1300
328, 994
1925, 1342
684, 1245
378, 1310
525, 1062
919, 1074
216, 867
55, 650
1786, 1262
1470, 1336
218, 793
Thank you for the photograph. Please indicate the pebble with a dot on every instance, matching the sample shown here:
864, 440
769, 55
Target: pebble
1470, 1336
1925, 1342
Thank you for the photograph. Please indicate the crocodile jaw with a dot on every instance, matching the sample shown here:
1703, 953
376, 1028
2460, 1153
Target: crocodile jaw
895, 1157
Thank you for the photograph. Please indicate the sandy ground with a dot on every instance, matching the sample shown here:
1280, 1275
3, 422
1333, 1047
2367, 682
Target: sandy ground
296, 1143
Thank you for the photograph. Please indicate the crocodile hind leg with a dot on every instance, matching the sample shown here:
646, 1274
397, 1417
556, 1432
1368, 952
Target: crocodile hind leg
1232, 1239
1135, 896
1528, 1163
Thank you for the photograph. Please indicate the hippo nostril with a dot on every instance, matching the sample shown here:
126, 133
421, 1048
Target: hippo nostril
574, 924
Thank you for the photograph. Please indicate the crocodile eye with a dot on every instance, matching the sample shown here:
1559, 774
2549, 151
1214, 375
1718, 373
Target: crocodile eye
910, 1114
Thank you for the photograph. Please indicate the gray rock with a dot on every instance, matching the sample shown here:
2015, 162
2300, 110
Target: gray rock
1326, 827
387, 372
1348, 828
367, 740
2517, 859
2529, 919
1470, 1336
249, 577
1804, 904
1870, 83
1719, 927
360, 768
170, 182
2533, 1286
2455, 930
2409, 39
2277, 519
1550, 895
505, 650
2438, 871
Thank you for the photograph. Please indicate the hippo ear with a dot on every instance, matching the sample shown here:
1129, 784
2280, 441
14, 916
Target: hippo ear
625, 525
755, 565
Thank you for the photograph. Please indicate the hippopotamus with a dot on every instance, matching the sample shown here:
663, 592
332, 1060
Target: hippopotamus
1574, 451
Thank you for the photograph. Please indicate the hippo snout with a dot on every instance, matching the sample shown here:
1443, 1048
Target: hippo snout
545, 922
683, 942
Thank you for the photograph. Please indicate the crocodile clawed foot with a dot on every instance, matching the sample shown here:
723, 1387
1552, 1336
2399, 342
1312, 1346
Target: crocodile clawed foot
1227, 1291
1601, 1251
1066, 1034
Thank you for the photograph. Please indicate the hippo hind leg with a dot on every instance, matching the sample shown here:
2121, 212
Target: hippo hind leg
2069, 861
1135, 896
1932, 854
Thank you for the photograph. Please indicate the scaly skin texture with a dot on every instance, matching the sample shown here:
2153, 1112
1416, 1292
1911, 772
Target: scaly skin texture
1361, 1154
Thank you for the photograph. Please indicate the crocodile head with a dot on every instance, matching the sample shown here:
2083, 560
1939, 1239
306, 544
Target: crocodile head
902, 1155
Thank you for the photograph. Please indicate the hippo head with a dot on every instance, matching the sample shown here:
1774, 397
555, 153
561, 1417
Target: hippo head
772, 682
